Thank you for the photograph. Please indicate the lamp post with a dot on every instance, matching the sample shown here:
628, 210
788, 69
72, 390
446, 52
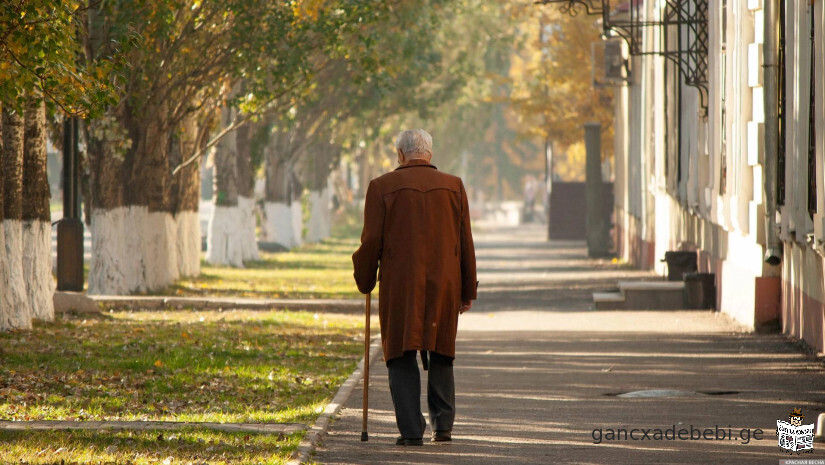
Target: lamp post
596, 231
70, 228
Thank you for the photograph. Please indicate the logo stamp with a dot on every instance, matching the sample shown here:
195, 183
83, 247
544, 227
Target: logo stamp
793, 436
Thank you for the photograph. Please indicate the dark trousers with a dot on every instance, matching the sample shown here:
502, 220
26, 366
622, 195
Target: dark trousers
405, 389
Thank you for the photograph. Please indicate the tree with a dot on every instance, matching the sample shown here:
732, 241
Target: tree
465, 102
17, 309
378, 69
231, 239
40, 71
552, 90
40, 50
188, 54
36, 215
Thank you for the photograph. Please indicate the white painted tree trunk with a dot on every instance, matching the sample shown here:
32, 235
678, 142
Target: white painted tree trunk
231, 239
222, 244
133, 250
114, 267
160, 252
37, 259
320, 215
189, 243
18, 313
297, 223
5, 285
246, 229
277, 225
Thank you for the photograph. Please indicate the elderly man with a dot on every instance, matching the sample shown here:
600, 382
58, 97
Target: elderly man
417, 227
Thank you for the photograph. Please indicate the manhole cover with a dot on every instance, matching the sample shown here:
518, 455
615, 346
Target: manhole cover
660, 393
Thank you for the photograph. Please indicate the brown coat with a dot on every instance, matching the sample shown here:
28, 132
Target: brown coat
417, 226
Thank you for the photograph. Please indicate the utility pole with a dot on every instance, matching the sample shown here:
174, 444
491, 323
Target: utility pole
70, 228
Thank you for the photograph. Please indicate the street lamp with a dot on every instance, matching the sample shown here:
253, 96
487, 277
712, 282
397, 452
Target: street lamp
70, 228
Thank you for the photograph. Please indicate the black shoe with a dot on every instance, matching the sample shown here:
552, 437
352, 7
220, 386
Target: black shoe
399, 441
441, 436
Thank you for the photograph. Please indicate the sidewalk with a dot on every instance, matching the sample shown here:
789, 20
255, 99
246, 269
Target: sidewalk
537, 371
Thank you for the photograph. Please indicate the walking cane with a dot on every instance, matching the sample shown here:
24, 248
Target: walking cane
365, 407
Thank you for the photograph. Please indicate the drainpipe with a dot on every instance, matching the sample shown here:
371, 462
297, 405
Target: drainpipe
770, 60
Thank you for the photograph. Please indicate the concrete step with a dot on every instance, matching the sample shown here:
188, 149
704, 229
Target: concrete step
643, 295
653, 295
608, 300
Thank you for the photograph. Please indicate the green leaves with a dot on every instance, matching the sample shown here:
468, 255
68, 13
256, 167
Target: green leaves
41, 52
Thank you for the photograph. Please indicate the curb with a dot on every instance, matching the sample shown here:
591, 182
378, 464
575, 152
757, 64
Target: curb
321, 425
57, 425
138, 303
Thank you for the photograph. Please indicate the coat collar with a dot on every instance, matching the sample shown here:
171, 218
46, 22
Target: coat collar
415, 163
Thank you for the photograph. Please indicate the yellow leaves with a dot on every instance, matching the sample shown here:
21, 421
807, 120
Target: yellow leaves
185, 335
158, 364
570, 165
303, 10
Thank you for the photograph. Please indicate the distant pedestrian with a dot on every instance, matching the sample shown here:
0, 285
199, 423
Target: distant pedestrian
417, 228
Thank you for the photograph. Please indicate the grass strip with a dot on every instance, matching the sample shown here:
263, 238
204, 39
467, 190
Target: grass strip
313, 271
206, 366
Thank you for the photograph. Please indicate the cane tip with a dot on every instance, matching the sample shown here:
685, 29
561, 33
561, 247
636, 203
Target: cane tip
364, 436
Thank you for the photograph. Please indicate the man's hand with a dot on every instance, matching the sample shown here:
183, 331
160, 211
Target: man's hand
465, 306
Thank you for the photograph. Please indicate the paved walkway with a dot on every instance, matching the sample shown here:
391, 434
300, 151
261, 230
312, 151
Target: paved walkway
537, 371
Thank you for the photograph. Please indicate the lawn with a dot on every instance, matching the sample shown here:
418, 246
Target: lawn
232, 366
322, 271
312, 271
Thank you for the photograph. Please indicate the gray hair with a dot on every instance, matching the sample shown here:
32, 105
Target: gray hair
414, 141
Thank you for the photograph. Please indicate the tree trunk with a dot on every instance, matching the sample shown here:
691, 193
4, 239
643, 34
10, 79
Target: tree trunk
134, 234
246, 194
320, 208
278, 217
186, 187
150, 196
17, 312
296, 190
282, 222
224, 243
36, 214
111, 271
320, 214
4, 265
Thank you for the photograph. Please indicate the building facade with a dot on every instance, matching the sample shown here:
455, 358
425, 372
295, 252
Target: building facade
716, 154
